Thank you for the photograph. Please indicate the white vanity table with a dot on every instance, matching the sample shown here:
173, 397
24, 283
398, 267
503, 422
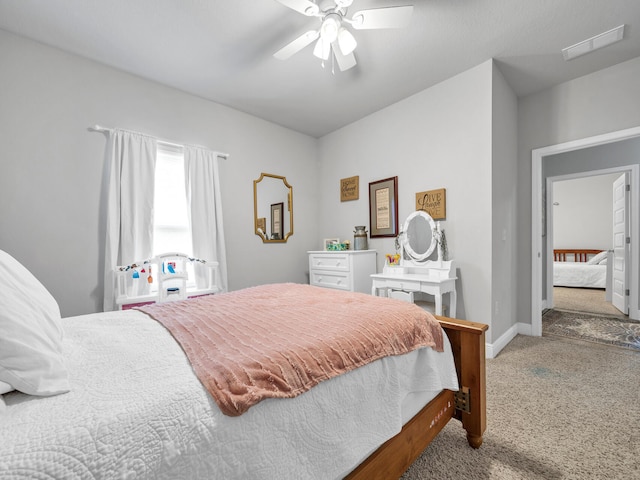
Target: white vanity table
415, 273
434, 278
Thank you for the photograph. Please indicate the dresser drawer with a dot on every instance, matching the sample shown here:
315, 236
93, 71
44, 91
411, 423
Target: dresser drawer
347, 270
330, 279
334, 262
406, 285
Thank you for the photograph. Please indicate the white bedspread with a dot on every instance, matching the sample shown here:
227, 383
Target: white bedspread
579, 274
137, 411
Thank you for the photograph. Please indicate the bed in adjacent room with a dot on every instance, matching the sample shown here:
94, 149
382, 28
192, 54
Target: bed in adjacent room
119, 397
586, 268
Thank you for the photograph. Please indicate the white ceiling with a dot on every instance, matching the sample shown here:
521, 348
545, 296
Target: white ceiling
222, 49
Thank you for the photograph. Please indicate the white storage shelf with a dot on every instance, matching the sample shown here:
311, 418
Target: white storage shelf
348, 270
169, 280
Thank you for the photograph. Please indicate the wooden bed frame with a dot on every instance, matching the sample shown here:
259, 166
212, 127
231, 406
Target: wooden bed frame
468, 405
579, 254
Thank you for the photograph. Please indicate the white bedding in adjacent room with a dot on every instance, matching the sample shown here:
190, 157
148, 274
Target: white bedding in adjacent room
579, 274
136, 410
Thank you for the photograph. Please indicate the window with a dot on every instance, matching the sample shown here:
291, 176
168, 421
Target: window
147, 186
171, 232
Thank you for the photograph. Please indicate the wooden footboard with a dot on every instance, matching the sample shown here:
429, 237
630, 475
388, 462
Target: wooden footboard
468, 344
469, 406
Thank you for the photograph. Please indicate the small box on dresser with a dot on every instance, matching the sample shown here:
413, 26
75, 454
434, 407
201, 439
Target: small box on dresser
348, 270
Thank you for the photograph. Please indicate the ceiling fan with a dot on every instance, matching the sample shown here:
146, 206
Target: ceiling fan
333, 35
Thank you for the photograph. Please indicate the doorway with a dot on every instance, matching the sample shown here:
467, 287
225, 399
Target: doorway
581, 219
540, 250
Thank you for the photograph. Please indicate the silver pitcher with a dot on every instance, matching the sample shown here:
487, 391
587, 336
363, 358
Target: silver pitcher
360, 238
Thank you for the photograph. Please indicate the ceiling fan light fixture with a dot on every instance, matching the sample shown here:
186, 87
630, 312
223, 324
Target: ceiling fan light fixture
334, 36
322, 49
329, 29
346, 41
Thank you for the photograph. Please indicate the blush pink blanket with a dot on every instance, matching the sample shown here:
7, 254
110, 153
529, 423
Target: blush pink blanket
279, 340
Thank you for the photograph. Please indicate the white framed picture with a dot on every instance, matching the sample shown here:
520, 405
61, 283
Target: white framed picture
328, 241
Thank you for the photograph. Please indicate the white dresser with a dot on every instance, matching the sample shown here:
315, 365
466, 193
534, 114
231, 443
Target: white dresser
348, 270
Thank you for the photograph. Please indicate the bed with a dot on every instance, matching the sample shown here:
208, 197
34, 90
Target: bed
587, 268
136, 409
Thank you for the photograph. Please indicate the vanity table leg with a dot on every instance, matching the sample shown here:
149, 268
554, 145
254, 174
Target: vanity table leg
438, 299
453, 301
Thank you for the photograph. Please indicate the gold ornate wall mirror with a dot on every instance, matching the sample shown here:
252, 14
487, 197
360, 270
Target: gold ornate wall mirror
272, 208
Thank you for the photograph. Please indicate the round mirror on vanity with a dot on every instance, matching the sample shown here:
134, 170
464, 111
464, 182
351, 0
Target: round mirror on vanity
418, 239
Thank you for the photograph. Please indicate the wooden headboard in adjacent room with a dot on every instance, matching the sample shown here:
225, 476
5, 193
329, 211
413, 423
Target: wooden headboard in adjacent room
579, 255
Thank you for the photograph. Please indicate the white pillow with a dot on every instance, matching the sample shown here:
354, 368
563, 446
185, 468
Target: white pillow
4, 388
598, 258
31, 358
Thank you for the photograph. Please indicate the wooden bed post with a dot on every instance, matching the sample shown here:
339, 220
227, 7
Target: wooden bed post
468, 344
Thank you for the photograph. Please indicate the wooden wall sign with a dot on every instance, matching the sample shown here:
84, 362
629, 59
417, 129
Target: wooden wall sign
349, 189
434, 202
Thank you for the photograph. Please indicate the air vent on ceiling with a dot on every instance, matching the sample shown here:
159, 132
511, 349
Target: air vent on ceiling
594, 43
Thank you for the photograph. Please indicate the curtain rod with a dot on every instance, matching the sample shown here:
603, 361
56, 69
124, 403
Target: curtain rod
101, 129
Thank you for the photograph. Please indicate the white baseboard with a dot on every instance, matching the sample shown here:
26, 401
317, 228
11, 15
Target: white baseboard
493, 349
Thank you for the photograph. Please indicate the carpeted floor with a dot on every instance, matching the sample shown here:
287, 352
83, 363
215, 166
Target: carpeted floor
610, 330
583, 300
557, 408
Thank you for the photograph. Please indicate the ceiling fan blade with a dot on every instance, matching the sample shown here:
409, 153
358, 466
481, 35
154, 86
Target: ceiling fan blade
297, 45
387, 17
305, 7
345, 62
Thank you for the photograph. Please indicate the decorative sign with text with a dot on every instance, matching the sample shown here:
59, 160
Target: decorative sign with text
434, 202
349, 189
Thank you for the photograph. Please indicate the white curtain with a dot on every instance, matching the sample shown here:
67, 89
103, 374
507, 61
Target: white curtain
204, 205
132, 158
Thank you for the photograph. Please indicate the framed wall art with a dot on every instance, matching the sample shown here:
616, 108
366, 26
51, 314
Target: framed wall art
434, 202
383, 208
349, 189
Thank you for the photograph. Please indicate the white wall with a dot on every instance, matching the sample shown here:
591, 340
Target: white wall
52, 170
583, 212
504, 152
438, 138
605, 101
456, 135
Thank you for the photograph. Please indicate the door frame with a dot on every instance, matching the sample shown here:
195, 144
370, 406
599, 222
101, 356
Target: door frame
537, 218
